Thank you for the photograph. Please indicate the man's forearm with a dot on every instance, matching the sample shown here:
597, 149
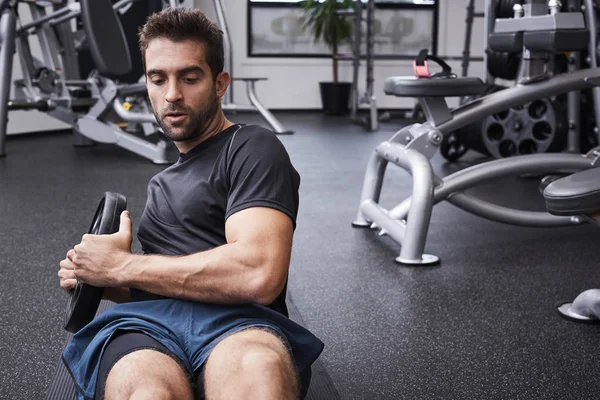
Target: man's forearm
228, 274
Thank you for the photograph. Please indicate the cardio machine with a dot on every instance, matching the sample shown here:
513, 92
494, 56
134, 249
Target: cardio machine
538, 29
97, 108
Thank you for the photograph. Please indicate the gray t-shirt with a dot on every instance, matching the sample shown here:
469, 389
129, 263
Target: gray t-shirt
188, 203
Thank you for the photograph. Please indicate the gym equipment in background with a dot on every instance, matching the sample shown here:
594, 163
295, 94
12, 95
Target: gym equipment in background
85, 299
94, 106
412, 147
564, 123
371, 123
227, 101
577, 196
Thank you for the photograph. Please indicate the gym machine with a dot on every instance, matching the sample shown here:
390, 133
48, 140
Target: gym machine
227, 101
94, 106
564, 123
540, 29
577, 196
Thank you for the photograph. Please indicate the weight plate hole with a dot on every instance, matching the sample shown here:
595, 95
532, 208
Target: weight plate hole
507, 148
537, 109
527, 147
501, 116
495, 132
542, 131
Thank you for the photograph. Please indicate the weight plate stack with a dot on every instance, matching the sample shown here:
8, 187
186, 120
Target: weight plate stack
537, 127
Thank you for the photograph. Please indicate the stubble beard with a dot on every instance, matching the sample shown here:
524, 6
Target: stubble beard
196, 123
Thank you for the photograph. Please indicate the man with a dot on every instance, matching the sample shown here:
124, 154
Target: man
202, 312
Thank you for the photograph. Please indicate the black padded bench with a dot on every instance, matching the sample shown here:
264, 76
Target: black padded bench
407, 86
575, 194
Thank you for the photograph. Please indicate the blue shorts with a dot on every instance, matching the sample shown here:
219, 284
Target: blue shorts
188, 329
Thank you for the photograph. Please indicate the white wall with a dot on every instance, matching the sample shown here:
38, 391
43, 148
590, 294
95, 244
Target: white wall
292, 86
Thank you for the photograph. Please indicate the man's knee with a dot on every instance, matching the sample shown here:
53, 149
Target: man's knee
252, 348
256, 358
144, 373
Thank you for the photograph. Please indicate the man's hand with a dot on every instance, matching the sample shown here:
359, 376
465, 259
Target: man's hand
98, 260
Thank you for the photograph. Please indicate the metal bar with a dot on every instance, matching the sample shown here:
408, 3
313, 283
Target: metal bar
4, 4
220, 10
496, 169
238, 107
356, 59
77, 82
371, 98
61, 20
42, 20
103, 132
488, 27
574, 108
419, 215
507, 215
47, 43
372, 183
393, 228
518, 95
414, 235
468, 32
8, 23
266, 114
130, 116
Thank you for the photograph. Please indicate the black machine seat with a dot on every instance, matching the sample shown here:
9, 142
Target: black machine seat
575, 194
408, 86
105, 37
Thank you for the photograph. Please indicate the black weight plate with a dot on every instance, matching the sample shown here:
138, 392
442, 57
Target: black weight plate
84, 299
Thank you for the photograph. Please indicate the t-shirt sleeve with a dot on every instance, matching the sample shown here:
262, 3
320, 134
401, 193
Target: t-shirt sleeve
260, 173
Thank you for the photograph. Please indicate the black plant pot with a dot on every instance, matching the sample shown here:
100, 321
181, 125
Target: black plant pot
335, 97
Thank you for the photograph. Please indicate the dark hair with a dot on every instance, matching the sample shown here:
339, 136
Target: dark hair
179, 24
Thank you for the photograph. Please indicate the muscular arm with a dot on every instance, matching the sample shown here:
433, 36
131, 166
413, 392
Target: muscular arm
251, 267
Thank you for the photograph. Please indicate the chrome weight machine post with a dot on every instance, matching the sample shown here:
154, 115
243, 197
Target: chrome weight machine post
466, 55
371, 100
488, 27
8, 24
68, 54
355, 95
574, 109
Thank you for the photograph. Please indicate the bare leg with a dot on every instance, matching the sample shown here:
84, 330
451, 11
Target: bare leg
251, 364
147, 374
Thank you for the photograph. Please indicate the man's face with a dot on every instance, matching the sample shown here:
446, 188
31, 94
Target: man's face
184, 97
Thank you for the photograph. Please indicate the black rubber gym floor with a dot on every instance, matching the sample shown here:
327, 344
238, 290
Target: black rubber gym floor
482, 325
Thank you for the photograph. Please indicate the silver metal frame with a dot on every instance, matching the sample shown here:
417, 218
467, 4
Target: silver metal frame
371, 123
227, 101
412, 148
90, 127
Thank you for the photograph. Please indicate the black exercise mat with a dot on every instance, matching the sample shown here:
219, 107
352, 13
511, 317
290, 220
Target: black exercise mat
321, 387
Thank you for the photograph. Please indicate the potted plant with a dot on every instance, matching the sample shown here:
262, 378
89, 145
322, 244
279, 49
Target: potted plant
326, 23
